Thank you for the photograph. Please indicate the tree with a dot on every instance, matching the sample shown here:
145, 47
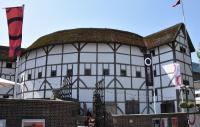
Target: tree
198, 54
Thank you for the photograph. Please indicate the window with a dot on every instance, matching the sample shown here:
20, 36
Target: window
132, 107
53, 73
182, 49
8, 65
87, 72
154, 72
186, 82
5, 96
105, 71
29, 76
39, 75
155, 92
152, 52
138, 74
33, 123
167, 107
123, 72
2, 123
69, 72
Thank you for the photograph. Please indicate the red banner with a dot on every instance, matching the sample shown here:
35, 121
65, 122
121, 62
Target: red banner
15, 21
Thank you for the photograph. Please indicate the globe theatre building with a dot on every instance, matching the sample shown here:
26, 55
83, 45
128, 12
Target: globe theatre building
90, 55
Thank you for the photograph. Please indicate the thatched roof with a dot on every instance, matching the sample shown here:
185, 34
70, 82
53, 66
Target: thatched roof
100, 35
165, 36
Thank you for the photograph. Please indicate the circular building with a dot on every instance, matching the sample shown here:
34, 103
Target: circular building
90, 56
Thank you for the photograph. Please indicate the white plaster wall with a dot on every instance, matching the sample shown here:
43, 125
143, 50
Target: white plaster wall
155, 59
124, 59
32, 55
90, 81
38, 94
169, 93
136, 51
109, 95
28, 95
30, 64
124, 49
88, 57
131, 95
30, 84
164, 48
38, 83
142, 96
122, 107
40, 52
8, 71
55, 59
120, 95
86, 95
125, 81
55, 82
179, 56
135, 60
167, 80
90, 47
102, 47
69, 48
166, 56
108, 57
40, 61
187, 59
137, 82
70, 58
56, 49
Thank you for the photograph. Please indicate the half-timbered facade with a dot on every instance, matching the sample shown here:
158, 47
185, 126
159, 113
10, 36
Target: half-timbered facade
7, 71
118, 57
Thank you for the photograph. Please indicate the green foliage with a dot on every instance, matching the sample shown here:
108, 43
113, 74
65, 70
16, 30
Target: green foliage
198, 55
189, 104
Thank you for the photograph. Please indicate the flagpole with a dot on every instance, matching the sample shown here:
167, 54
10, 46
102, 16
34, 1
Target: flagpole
16, 77
184, 19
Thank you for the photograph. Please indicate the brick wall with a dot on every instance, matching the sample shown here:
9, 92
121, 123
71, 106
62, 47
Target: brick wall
55, 113
146, 120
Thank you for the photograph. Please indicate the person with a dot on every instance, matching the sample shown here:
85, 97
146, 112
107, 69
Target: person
90, 122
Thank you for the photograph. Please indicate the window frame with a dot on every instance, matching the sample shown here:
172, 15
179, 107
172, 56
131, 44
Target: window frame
29, 77
69, 72
9, 64
39, 75
123, 72
136, 74
105, 71
53, 73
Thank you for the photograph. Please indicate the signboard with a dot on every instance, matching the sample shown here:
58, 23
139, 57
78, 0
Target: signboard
33, 123
148, 69
174, 69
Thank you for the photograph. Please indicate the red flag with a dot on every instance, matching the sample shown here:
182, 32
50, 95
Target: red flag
15, 21
177, 3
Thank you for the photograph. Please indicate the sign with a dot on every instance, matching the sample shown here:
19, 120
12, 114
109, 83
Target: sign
175, 70
148, 69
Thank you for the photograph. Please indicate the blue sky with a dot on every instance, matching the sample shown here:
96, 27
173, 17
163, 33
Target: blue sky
138, 16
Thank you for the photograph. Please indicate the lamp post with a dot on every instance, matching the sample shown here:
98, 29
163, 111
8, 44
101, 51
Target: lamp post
185, 89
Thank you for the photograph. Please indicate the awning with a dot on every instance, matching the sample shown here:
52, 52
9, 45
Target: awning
6, 83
